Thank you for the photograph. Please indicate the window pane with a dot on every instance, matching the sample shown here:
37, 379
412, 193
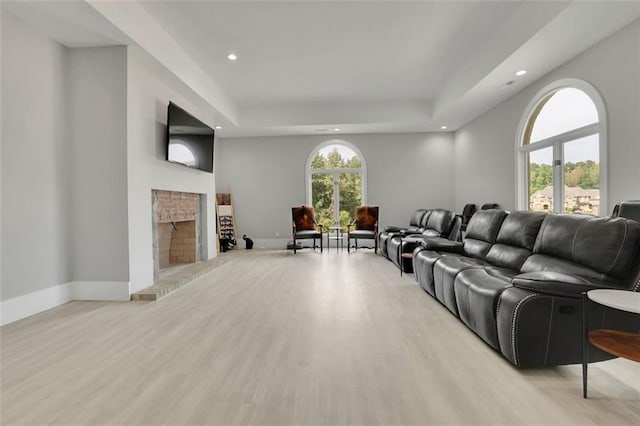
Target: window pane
582, 175
322, 198
565, 110
335, 157
350, 196
541, 180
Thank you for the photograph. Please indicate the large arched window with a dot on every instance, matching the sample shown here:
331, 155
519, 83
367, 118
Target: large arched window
561, 151
336, 182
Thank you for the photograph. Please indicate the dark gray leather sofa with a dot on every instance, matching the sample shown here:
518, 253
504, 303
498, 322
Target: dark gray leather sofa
392, 231
435, 223
517, 280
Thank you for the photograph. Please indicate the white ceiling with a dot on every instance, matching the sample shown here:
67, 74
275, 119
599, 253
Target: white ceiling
362, 66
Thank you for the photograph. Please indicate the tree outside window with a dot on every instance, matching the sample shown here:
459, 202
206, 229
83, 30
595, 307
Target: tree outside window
336, 184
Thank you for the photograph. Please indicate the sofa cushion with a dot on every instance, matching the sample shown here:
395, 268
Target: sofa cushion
507, 256
417, 217
477, 292
515, 239
482, 232
440, 222
423, 261
485, 224
520, 229
606, 246
445, 270
424, 220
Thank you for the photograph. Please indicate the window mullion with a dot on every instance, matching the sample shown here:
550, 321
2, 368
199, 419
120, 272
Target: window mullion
558, 178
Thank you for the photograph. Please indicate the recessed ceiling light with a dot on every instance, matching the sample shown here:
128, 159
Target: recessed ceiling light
521, 72
443, 127
336, 130
218, 127
232, 56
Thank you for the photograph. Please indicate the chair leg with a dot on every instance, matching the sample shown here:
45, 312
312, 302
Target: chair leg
320, 243
294, 244
375, 246
348, 243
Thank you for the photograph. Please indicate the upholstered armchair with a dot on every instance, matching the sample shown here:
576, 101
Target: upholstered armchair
305, 226
364, 227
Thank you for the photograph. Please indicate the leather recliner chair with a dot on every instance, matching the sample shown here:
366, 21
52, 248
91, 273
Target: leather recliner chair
392, 231
438, 224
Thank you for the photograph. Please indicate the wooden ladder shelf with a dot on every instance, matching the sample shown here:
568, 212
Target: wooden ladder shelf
226, 219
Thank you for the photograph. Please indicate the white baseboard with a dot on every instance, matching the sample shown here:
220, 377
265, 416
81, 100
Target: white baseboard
38, 301
100, 290
29, 304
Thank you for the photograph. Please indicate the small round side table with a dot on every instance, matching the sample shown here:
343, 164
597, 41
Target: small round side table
615, 342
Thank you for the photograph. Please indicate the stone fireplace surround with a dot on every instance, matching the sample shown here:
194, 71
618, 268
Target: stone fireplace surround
177, 228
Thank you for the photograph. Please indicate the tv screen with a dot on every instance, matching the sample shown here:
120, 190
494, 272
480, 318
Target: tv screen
189, 140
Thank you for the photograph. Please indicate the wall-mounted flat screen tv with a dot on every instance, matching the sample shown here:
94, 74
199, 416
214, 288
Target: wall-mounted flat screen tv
189, 140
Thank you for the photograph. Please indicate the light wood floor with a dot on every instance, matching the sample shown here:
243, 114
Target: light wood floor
269, 338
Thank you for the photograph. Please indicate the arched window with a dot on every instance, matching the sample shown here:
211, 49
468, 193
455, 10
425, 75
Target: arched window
336, 182
561, 151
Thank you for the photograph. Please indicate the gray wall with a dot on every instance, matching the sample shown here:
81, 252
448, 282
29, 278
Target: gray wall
150, 87
83, 142
485, 148
267, 176
35, 162
98, 163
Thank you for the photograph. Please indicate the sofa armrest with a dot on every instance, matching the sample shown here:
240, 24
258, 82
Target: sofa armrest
441, 244
393, 229
405, 232
557, 283
412, 239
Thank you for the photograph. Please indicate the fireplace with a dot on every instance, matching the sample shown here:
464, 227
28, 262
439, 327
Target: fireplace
176, 229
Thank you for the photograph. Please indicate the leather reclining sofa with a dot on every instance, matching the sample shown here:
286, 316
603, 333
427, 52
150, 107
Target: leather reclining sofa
394, 231
432, 223
517, 280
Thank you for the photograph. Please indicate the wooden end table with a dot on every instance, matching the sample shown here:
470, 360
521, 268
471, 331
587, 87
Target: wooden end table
403, 256
620, 343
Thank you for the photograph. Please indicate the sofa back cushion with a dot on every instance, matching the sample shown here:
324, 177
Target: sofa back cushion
425, 219
516, 239
482, 232
439, 223
599, 247
416, 218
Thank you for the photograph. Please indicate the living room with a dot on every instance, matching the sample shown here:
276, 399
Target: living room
85, 90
